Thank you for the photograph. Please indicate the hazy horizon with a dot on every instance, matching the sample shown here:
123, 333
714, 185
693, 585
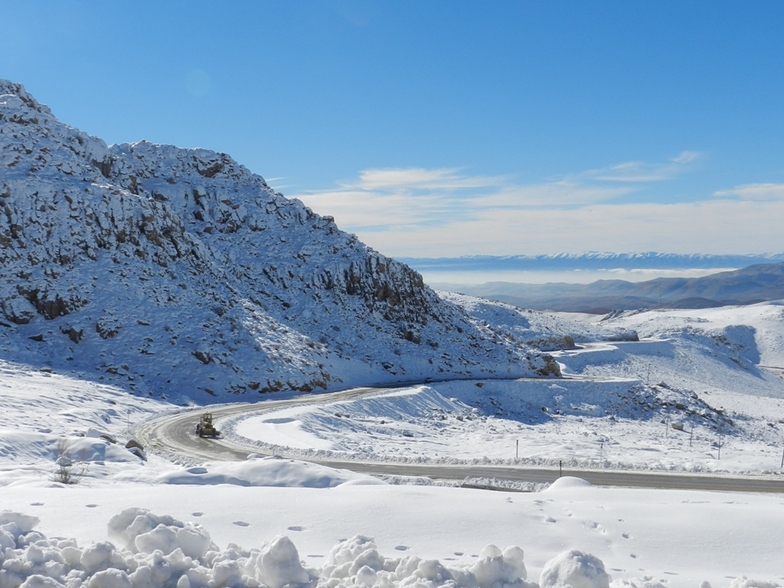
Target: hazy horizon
442, 280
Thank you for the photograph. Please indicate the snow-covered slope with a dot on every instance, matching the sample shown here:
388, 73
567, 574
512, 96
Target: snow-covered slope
179, 272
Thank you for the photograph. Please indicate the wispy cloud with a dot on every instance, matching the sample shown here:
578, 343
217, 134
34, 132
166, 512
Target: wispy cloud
419, 178
645, 172
710, 226
446, 211
562, 193
754, 192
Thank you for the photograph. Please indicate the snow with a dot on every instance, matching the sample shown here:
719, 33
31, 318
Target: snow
275, 507
576, 569
612, 423
179, 274
680, 538
142, 279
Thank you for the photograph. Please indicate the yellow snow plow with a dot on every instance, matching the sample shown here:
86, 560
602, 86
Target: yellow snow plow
205, 428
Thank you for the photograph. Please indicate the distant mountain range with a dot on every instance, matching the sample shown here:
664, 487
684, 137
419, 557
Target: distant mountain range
755, 283
588, 261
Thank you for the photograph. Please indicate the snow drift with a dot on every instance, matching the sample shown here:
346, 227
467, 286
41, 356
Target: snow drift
152, 551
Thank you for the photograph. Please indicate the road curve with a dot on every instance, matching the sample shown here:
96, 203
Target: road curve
174, 435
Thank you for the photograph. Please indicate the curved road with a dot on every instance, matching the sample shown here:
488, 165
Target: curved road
175, 434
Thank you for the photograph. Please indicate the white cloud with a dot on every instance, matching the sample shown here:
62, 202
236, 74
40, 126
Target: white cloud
354, 209
715, 226
550, 195
644, 172
418, 178
754, 192
685, 157
415, 196
418, 212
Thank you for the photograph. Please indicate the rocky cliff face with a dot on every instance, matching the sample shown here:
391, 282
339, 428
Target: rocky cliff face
178, 272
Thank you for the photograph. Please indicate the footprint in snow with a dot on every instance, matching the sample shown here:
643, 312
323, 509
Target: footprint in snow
296, 528
241, 524
90, 505
196, 514
594, 525
401, 547
625, 535
36, 504
549, 519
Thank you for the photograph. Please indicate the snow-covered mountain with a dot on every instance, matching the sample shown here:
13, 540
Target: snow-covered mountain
178, 272
592, 260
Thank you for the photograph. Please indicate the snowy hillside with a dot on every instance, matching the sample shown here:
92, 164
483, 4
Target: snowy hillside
178, 273
260, 522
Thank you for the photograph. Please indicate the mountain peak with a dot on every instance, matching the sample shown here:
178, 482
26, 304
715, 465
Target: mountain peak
180, 272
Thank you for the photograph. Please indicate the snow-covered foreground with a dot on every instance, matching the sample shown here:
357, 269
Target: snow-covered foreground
669, 538
674, 538
698, 371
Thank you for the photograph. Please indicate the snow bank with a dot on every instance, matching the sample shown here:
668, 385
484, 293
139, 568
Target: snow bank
576, 569
567, 483
159, 550
267, 471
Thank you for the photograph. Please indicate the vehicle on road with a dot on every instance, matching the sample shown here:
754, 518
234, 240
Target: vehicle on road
205, 427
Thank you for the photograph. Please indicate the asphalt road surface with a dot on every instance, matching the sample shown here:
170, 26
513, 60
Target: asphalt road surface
175, 434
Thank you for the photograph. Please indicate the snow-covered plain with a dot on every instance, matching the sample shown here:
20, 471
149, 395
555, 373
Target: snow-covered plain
698, 369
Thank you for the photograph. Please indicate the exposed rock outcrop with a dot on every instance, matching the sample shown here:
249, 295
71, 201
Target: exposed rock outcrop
182, 273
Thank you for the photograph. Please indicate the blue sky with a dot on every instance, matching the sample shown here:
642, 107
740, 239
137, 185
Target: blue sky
446, 128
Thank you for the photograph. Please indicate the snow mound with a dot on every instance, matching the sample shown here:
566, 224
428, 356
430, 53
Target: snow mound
158, 550
357, 562
161, 551
269, 471
568, 482
576, 569
744, 582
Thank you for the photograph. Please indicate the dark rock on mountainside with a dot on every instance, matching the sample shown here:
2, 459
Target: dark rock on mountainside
179, 272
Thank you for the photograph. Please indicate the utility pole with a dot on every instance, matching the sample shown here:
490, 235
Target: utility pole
517, 449
721, 439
